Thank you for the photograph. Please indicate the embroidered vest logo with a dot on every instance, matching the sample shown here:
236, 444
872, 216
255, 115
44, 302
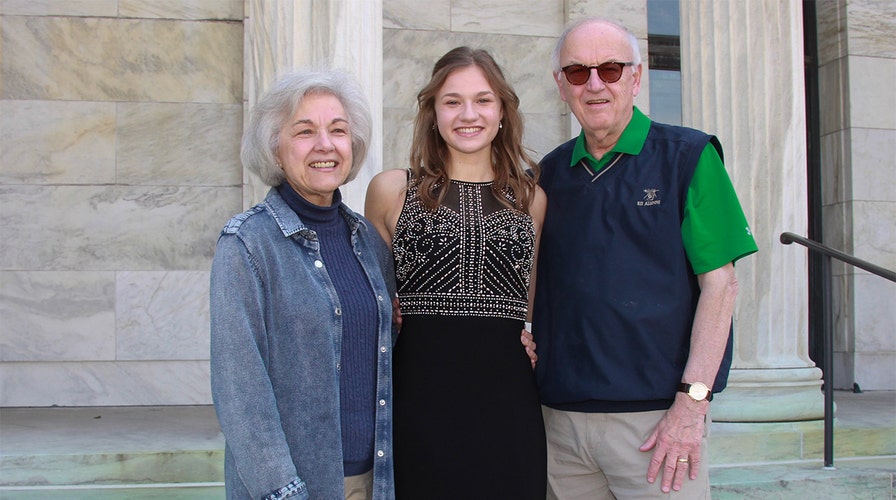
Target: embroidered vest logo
650, 198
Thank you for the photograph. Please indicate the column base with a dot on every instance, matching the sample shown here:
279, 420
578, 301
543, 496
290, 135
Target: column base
770, 395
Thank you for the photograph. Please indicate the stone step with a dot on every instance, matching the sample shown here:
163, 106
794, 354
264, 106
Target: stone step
184, 491
110, 446
127, 467
177, 452
730, 444
782, 442
851, 479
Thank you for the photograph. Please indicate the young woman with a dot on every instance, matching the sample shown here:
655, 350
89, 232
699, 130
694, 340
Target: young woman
463, 223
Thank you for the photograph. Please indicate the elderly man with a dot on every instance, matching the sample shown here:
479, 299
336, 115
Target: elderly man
636, 283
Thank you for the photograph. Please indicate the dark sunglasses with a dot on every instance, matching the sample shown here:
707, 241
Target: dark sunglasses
609, 72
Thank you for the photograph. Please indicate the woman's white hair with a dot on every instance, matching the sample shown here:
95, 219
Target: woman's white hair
275, 108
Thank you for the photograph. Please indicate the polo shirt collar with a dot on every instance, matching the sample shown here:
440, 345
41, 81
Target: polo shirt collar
630, 142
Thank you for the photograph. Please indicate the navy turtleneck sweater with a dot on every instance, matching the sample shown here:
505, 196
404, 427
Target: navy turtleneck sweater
357, 377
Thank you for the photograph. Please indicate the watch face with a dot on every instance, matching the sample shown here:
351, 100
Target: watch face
698, 391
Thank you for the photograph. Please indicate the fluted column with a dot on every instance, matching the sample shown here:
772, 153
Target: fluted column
742, 79
287, 34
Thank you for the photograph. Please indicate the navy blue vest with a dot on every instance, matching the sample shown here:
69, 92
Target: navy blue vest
616, 295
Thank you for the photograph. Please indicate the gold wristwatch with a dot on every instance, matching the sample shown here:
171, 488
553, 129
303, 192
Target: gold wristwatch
697, 391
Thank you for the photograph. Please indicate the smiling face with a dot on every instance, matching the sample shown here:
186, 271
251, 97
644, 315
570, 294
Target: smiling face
603, 109
315, 148
468, 113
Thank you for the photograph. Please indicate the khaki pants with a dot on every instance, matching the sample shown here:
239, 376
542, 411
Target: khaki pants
359, 487
595, 456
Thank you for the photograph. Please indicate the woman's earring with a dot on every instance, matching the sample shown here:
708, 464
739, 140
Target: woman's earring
500, 125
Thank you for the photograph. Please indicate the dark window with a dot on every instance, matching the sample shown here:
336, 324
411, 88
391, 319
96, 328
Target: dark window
664, 60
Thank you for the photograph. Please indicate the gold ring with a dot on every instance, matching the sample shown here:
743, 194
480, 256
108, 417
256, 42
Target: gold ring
683, 460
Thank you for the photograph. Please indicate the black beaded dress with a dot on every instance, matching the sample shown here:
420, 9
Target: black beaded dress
467, 421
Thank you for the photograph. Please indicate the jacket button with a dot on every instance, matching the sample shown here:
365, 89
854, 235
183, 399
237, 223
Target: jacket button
318, 264
338, 311
380, 453
383, 349
382, 402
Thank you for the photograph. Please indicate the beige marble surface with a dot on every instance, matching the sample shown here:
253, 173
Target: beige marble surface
511, 17
832, 30
868, 107
167, 9
833, 80
113, 227
863, 27
119, 165
57, 316
55, 142
191, 144
91, 8
182, 9
105, 383
63, 58
858, 58
417, 15
161, 315
872, 151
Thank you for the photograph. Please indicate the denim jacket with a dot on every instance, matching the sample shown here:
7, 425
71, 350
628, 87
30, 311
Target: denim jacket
276, 333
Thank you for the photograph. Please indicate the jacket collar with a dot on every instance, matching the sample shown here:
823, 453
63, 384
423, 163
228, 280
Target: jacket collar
290, 223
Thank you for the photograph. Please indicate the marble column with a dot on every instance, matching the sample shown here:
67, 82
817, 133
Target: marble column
742, 79
286, 34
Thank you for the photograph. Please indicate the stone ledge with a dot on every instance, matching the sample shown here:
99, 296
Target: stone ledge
199, 491
851, 479
126, 468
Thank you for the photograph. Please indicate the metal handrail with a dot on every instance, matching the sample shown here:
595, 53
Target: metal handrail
827, 253
788, 238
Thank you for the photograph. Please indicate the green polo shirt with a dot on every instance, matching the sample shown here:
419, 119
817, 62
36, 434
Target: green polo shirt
714, 229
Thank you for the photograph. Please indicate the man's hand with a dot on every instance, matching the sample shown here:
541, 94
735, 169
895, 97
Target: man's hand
677, 437
528, 342
396, 313
675, 442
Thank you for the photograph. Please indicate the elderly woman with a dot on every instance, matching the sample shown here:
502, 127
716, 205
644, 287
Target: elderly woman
301, 316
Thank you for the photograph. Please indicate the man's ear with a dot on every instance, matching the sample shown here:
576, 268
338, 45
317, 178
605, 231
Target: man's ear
636, 88
558, 79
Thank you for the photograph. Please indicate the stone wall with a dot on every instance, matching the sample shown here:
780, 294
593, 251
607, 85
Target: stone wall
119, 165
857, 68
119, 135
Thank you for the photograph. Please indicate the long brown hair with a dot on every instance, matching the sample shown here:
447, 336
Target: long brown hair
429, 152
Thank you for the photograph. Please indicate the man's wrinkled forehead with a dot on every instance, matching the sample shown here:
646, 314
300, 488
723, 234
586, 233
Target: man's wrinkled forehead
595, 36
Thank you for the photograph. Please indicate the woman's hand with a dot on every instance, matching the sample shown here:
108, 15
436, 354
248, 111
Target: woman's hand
528, 342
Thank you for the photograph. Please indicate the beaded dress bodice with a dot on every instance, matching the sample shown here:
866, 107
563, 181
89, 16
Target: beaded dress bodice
470, 257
